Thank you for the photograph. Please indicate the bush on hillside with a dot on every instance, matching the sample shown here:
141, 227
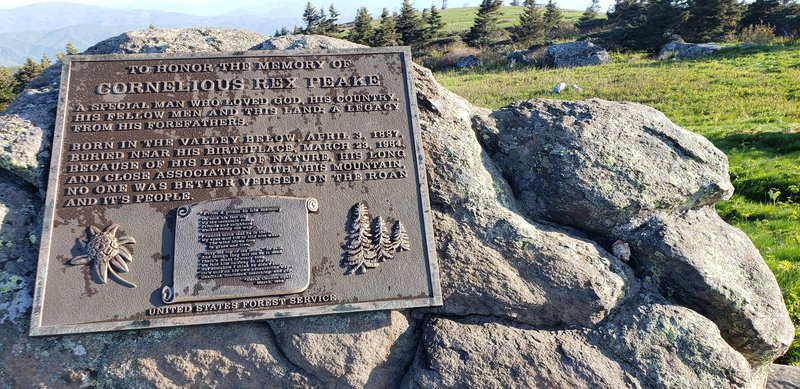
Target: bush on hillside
563, 31
440, 60
594, 25
757, 34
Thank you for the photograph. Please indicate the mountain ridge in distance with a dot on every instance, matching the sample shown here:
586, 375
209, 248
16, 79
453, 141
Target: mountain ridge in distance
45, 28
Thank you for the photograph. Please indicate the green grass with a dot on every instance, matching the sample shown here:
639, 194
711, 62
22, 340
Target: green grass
461, 19
746, 101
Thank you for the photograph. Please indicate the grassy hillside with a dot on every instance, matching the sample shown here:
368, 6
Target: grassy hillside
746, 101
461, 19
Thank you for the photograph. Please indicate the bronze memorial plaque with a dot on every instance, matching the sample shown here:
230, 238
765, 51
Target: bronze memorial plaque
207, 188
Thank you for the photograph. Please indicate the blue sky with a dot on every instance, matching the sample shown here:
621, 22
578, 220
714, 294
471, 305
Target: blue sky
217, 7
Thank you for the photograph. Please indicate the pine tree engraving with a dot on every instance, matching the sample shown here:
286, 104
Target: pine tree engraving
399, 237
369, 243
359, 254
380, 240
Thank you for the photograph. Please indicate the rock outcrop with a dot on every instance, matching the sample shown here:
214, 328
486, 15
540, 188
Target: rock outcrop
575, 54
520, 58
526, 202
469, 61
678, 49
784, 377
624, 171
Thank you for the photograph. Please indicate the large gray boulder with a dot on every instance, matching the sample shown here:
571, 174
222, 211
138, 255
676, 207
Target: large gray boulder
531, 298
521, 58
625, 171
636, 349
614, 162
178, 40
678, 49
575, 54
784, 377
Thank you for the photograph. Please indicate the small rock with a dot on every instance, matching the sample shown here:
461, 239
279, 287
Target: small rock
469, 61
621, 250
558, 88
577, 88
79, 350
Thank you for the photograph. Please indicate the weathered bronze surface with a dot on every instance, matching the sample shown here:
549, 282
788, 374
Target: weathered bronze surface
190, 189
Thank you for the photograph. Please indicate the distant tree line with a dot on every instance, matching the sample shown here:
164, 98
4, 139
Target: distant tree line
412, 27
408, 27
14, 81
640, 24
631, 24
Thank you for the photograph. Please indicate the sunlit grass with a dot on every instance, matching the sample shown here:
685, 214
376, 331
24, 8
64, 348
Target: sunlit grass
461, 19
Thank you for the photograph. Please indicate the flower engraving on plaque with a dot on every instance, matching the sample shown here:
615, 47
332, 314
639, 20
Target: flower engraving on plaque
107, 253
370, 242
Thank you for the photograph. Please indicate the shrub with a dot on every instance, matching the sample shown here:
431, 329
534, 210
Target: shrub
448, 59
535, 56
757, 34
563, 31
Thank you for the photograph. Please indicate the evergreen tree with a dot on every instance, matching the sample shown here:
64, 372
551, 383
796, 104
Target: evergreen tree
362, 27
409, 25
532, 28
70, 49
444, 4
515, 3
712, 19
297, 30
789, 19
665, 17
627, 12
7, 87
762, 12
386, 33
285, 31
649, 27
331, 26
44, 62
25, 74
485, 31
322, 22
312, 19
552, 14
435, 23
590, 13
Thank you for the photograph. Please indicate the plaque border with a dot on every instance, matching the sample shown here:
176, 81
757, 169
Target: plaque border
36, 328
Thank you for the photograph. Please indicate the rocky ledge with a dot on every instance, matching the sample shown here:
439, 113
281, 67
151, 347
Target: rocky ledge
530, 201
